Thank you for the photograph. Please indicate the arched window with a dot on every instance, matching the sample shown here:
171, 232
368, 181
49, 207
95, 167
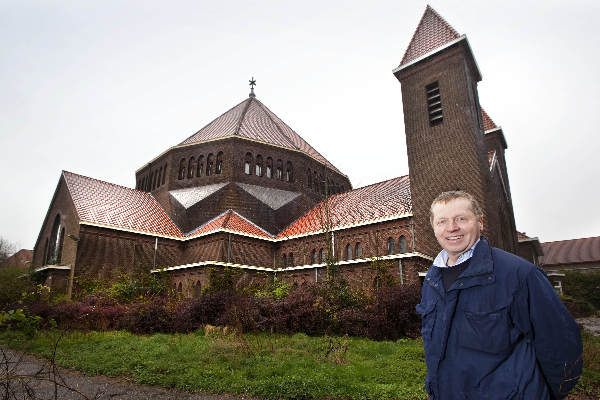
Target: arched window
279, 171
402, 244
197, 289
45, 260
209, 164
55, 239
321, 184
322, 255
191, 167
313, 256
358, 250
259, 165
160, 172
269, 171
391, 246
348, 251
315, 181
248, 163
61, 240
219, 167
289, 172
152, 181
291, 259
200, 166
181, 174
180, 287
284, 261
309, 178
164, 175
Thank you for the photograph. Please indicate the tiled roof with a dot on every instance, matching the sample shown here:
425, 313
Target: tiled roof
104, 203
522, 236
231, 221
432, 32
571, 251
253, 120
370, 203
488, 123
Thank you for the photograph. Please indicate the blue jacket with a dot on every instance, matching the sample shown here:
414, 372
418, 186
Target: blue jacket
499, 332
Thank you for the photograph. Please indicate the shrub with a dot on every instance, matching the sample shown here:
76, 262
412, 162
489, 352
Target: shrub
149, 317
17, 319
583, 287
14, 282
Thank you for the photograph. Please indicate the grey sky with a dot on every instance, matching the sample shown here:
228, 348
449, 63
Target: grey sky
100, 88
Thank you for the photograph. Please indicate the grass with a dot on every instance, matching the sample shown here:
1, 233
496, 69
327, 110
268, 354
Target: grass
270, 366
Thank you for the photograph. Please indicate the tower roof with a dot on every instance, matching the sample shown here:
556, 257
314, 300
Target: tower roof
432, 32
488, 123
251, 119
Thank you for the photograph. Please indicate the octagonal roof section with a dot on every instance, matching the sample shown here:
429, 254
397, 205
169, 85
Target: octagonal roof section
252, 120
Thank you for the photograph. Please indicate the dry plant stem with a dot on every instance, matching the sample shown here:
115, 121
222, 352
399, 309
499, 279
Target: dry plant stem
11, 379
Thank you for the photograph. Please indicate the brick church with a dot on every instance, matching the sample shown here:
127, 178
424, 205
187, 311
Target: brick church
246, 192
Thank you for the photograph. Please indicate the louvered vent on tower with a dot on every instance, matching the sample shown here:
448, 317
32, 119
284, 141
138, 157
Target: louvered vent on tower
434, 103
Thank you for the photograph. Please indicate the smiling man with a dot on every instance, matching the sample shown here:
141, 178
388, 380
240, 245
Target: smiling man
493, 327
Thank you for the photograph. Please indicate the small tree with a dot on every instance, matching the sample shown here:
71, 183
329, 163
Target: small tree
6, 250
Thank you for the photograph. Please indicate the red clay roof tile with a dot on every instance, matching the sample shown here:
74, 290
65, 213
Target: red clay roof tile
232, 221
488, 123
369, 203
105, 203
253, 120
571, 251
432, 32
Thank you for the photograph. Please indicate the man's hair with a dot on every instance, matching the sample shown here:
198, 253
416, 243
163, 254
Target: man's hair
446, 197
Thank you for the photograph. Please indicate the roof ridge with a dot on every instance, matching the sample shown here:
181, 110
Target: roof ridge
222, 114
413, 44
266, 110
227, 218
102, 181
377, 183
242, 116
251, 222
571, 240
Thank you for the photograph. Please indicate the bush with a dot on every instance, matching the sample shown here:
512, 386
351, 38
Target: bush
14, 282
17, 319
583, 287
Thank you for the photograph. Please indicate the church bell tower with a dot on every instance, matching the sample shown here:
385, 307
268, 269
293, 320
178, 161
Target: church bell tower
443, 124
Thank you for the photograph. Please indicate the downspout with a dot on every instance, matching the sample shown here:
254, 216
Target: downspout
412, 233
155, 250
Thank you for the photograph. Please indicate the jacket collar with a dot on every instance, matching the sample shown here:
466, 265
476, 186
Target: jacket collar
479, 272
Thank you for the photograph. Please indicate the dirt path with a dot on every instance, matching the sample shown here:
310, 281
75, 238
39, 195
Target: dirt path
29, 378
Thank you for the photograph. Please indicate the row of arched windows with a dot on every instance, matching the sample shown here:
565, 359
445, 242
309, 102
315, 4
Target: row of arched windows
153, 180
402, 246
195, 167
356, 251
54, 244
195, 289
317, 182
287, 260
259, 167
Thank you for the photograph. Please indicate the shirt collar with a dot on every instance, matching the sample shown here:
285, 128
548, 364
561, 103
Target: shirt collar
442, 258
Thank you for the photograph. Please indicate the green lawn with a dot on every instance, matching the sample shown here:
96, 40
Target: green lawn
271, 366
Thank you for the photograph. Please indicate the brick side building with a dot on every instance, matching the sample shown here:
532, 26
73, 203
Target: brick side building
246, 192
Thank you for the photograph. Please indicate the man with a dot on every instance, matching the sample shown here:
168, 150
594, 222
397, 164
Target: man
493, 327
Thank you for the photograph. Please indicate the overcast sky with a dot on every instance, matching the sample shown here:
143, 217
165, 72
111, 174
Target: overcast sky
100, 88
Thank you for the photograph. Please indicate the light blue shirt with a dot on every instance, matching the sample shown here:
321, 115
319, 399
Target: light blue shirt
441, 260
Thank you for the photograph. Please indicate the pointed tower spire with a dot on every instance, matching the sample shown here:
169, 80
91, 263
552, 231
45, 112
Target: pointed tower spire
432, 32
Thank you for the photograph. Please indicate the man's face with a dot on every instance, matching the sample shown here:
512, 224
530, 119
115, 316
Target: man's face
456, 227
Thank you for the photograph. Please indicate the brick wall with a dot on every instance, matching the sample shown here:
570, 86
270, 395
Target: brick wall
450, 155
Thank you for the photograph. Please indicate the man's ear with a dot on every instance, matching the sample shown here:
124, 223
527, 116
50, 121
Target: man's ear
481, 222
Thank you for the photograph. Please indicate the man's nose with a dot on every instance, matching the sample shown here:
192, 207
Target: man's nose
453, 226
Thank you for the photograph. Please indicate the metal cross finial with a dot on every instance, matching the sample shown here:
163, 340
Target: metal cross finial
252, 84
